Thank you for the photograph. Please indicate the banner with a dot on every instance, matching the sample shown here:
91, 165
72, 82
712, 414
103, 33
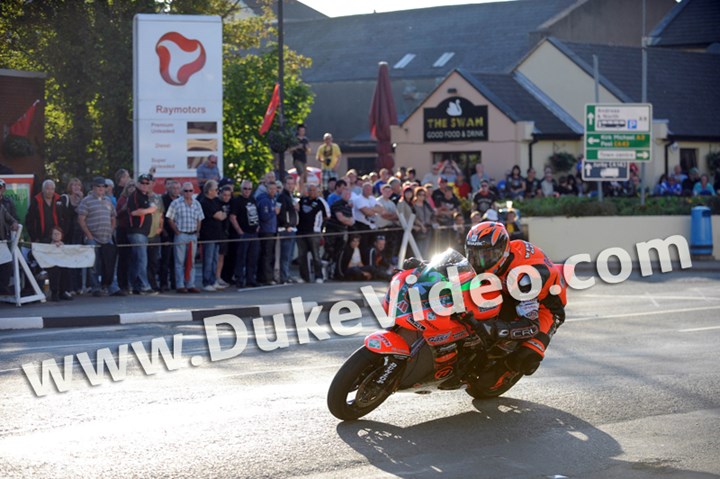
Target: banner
66, 256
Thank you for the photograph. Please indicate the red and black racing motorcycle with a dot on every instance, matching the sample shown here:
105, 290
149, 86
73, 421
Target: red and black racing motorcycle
420, 355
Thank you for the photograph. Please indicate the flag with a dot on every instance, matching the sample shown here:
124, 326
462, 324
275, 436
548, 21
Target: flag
22, 126
271, 109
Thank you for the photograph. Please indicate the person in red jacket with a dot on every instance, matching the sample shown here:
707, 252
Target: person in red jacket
525, 272
44, 213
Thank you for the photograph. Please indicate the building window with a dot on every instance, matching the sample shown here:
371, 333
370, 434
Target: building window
404, 61
444, 58
688, 159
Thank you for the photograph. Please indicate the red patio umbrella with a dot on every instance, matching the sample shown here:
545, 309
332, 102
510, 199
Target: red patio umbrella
382, 115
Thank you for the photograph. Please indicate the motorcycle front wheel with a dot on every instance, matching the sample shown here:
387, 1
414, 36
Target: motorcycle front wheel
354, 392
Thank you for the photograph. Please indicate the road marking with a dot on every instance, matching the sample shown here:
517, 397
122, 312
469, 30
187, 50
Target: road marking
629, 296
655, 303
646, 313
692, 330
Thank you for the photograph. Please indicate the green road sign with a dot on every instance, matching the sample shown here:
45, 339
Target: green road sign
618, 132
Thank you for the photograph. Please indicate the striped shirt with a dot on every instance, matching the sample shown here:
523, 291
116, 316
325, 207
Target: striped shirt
98, 214
185, 216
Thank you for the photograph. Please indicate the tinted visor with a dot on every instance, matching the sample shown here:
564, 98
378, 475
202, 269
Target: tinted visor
484, 258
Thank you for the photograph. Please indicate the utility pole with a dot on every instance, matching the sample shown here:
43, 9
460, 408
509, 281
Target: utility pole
281, 86
644, 100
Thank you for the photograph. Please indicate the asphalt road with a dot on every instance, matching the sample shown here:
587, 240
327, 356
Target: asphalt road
629, 389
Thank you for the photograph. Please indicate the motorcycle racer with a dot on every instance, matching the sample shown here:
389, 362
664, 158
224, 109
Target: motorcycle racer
532, 321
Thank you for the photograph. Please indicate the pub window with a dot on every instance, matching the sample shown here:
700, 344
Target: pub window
465, 160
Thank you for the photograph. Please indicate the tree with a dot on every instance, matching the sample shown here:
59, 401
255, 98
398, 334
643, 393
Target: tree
85, 47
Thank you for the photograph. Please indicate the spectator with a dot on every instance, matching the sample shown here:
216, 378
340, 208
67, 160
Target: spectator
424, 219
244, 222
475, 218
122, 177
484, 199
208, 170
167, 255
633, 187
384, 177
336, 227
446, 207
548, 186
478, 176
688, 184
513, 227
262, 187
340, 186
679, 174
185, 216
140, 210
328, 155
301, 151
659, 185
58, 276
7, 202
379, 260
670, 187
268, 210
109, 186
572, 185
211, 234
365, 212
313, 212
44, 213
350, 266
412, 176
330, 188
396, 187
450, 170
515, 184
387, 219
461, 187
97, 220
8, 223
352, 180
287, 221
69, 224
458, 233
154, 250
703, 187
121, 236
532, 184
224, 199
434, 174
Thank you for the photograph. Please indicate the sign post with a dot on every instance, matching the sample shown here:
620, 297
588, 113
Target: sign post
618, 132
605, 171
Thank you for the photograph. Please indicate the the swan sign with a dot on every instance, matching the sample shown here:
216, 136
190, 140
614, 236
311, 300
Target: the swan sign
455, 119
177, 93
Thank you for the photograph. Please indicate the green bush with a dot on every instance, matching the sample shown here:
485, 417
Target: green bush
573, 206
562, 161
713, 161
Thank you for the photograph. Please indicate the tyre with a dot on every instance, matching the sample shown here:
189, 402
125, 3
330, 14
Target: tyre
478, 392
354, 392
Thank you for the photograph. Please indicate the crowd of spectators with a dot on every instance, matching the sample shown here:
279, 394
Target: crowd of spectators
344, 228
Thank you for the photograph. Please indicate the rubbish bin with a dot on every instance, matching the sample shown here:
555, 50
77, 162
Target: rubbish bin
700, 231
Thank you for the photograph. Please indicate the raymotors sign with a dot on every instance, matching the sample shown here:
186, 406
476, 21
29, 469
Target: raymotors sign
177, 93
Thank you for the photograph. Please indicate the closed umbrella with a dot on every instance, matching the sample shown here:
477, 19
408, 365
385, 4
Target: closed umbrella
382, 115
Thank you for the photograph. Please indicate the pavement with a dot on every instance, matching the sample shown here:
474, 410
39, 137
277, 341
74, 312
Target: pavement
86, 310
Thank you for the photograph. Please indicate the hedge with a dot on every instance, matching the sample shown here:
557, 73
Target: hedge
581, 206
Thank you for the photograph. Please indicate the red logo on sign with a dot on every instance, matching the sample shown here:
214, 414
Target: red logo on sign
180, 58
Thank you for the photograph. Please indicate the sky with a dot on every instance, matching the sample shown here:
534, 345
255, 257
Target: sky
337, 8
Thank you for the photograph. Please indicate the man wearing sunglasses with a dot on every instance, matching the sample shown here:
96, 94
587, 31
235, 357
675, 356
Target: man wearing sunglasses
141, 210
185, 216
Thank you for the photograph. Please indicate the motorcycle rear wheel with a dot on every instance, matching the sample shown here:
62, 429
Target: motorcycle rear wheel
353, 392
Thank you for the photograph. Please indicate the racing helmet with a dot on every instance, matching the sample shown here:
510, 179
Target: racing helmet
487, 246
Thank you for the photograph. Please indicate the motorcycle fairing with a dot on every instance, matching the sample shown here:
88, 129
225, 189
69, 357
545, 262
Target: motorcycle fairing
387, 342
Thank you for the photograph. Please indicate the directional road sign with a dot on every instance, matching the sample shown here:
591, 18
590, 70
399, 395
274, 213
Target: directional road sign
618, 132
605, 171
